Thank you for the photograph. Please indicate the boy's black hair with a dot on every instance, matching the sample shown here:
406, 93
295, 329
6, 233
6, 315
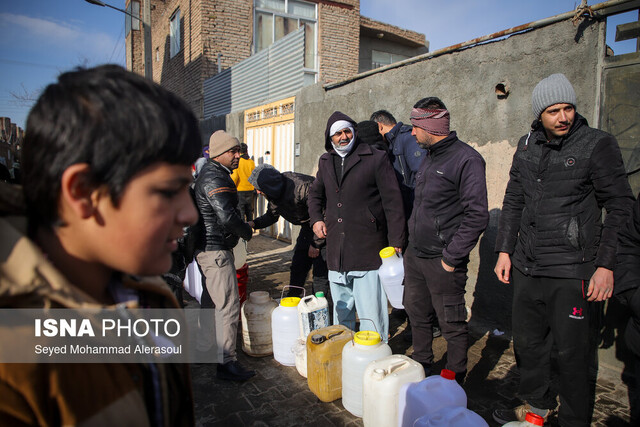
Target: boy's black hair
116, 121
384, 117
430, 102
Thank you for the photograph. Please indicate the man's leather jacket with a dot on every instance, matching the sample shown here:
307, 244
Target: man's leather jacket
217, 201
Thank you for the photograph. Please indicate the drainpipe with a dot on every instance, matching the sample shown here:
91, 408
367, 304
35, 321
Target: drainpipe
531, 25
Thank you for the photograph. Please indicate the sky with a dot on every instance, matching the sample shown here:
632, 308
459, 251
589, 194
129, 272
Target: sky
39, 39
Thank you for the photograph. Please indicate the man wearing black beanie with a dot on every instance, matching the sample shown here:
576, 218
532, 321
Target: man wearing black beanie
287, 193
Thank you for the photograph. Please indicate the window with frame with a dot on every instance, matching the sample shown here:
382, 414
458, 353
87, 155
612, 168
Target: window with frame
131, 23
275, 19
380, 59
174, 34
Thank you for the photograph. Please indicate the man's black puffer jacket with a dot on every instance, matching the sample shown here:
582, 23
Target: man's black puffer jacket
217, 200
551, 219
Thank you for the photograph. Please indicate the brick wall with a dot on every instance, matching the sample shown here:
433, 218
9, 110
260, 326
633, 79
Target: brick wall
207, 28
224, 28
338, 39
228, 31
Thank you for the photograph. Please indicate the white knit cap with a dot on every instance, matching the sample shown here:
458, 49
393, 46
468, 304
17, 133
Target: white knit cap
555, 89
339, 125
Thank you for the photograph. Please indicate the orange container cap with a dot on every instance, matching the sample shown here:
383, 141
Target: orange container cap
290, 302
387, 252
366, 338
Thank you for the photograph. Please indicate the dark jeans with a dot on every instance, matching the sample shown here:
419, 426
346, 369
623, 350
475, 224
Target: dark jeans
553, 313
430, 290
301, 263
246, 200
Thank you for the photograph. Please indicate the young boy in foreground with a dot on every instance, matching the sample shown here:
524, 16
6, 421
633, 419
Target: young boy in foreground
106, 169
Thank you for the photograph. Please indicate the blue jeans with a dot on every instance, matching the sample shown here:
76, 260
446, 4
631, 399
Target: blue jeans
360, 291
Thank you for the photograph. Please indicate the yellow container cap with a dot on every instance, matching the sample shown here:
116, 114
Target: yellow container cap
290, 302
387, 252
366, 338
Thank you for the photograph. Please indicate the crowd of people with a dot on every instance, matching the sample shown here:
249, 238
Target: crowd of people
108, 191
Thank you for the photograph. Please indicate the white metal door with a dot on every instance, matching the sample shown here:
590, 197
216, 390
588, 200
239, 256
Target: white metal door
269, 131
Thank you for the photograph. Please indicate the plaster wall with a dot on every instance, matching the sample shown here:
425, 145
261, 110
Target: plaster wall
466, 81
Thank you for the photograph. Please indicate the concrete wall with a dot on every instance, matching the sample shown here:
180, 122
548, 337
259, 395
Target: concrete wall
235, 125
466, 82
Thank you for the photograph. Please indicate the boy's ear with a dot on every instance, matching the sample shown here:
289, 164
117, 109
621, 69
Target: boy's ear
77, 190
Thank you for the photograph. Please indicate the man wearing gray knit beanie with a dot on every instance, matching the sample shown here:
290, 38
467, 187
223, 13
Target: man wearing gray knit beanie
557, 252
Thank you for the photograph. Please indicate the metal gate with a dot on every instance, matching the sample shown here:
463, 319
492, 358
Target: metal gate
621, 109
619, 112
268, 133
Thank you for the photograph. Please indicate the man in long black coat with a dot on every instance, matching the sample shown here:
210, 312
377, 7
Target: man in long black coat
356, 184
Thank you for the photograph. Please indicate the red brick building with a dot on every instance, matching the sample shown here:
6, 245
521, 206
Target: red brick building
11, 137
192, 40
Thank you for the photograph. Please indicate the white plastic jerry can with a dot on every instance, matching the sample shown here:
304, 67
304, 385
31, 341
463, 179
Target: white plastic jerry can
382, 381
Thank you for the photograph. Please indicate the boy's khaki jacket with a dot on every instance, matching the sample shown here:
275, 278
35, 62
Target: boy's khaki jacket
75, 394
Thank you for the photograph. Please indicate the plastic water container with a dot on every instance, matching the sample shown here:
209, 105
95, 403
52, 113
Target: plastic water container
391, 274
530, 419
313, 313
365, 347
429, 396
240, 254
324, 361
457, 416
382, 381
300, 353
256, 324
285, 330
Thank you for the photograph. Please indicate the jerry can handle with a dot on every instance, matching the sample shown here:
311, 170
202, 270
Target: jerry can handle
335, 334
374, 325
304, 292
395, 366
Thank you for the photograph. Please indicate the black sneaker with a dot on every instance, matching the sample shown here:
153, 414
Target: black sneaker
233, 371
436, 331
